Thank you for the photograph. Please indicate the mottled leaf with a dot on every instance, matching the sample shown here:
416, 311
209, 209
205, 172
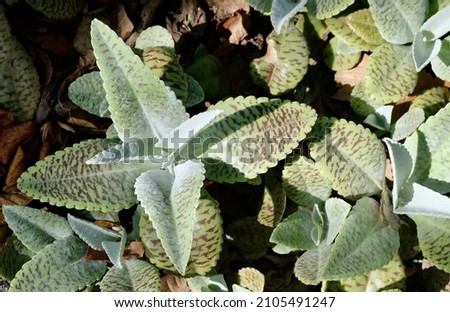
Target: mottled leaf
60, 267
215, 283
207, 239
337, 61
36, 228
390, 277
13, 255
431, 100
138, 100
381, 118
283, 10
87, 93
327, 8
434, 239
115, 249
365, 243
195, 92
251, 279
64, 179
361, 102
408, 123
155, 37
135, 276
391, 74
19, 81
58, 9
341, 29
293, 233
222, 172
274, 201
304, 182
350, 156
250, 137
91, 233
285, 62
170, 200
398, 20
362, 23
250, 237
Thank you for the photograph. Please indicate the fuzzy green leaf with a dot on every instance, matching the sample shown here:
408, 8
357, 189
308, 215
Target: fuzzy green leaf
19, 81
87, 93
285, 62
340, 28
434, 239
441, 63
424, 51
155, 37
64, 179
115, 249
251, 279
138, 100
365, 243
170, 201
398, 20
36, 228
437, 25
293, 233
215, 283
304, 182
207, 239
336, 211
381, 119
58, 9
408, 123
221, 172
135, 276
13, 255
195, 92
350, 156
390, 74
283, 10
91, 233
361, 102
60, 266
362, 23
274, 202
431, 101
250, 136
327, 8
337, 61
389, 277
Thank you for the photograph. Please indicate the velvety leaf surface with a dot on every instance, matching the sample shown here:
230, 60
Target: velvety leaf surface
251, 279
274, 202
36, 228
64, 179
13, 255
327, 8
155, 37
135, 276
60, 266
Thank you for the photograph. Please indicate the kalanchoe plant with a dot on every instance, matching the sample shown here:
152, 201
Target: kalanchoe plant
324, 195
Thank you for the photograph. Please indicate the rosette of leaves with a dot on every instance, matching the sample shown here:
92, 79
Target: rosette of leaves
146, 163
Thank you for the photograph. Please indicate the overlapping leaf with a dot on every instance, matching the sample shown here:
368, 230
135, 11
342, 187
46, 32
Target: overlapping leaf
274, 202
285, 62
13, 255
58, 9
170, 200
340, 28
365, 243
215, 283
138, 100
441, 62
36, 228
250, 137
155, 37
305, 183
283, 10
64, 179
19, 81
350, 156
431, 101
408, 123
361, 101
207, 239
337, 60
362, 23
327, 8
87, 92
251, 279
391, 73
398, 20
60, 266
136, 275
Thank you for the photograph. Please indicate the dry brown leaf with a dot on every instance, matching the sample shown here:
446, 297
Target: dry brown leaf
92, 254
13, 197
11, 137
17, 167
225, 8
124, 25
235, 26
174, 283
134, 251
6, 118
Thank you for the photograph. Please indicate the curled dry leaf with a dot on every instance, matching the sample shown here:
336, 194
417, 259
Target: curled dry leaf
11, 137
234, 24
174, 283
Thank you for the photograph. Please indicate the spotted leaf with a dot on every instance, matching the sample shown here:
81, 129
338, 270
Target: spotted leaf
285, 62
391, 74
431, 101
19, 81
58, 9
64, 179
251, 279
13, 255
206, 243
408, 123
61, 266
274, 202
327, 8
138, 100
350, 157
362, 23
135, 276
340, 28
